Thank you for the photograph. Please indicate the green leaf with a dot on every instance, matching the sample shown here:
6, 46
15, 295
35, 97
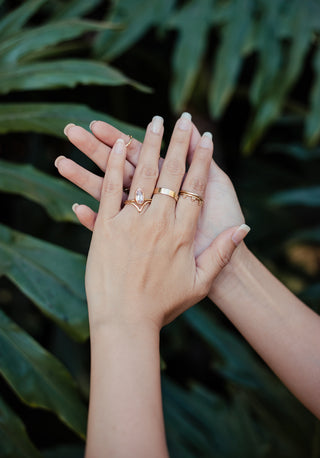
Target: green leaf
307, 197
228, 61
312, 125
14, 441
51, 276
61, 73
238, 360
27, 42
308, 235
16, 19
38, 378
51, 118
69, 451
55, 195
73, 8
189, 49
294, 150
276, 89
135, 18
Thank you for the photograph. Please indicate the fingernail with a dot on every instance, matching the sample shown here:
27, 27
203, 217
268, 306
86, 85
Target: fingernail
91, 124
156, 124
74, 207
119, 146
206, 140
240, 233
56, 162
185, 121
65, 130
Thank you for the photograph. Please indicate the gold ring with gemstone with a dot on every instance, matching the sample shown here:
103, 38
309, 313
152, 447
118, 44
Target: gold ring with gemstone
193, 196
166, 192
130, 140
139, 202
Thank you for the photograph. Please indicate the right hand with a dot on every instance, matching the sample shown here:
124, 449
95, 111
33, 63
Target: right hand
221, 209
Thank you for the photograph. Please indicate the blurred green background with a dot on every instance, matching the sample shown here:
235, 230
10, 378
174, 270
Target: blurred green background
247, 70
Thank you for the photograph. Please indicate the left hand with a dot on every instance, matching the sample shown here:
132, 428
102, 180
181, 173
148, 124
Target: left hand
141, 266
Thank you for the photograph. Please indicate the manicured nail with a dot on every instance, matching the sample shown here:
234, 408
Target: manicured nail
74, 207
65, 130
156, 124
206, 140
185, 121
56, 162
91, 124
119, 146
240, 233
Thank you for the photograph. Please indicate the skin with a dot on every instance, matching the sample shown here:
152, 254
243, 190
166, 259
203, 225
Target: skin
142, 272
283, 330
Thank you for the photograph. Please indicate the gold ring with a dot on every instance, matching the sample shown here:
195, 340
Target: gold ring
139, 201
193, 196
166, 192
130, 140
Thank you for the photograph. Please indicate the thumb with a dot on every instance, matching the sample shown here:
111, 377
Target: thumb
218, 254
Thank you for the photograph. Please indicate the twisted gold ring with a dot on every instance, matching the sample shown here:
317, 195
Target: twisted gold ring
193, 196
166, 192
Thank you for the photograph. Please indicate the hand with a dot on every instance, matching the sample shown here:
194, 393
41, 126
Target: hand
221, 207
142, 267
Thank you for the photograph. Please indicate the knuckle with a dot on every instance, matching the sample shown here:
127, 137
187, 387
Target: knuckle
148, 171
223, 258
109, 186
174, 167
197, 185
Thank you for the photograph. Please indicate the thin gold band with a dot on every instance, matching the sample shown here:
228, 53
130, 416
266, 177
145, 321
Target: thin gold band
166, 192
139, 207
130, 140
194, 197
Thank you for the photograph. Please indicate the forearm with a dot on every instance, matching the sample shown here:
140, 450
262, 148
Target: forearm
125, 412
283, 330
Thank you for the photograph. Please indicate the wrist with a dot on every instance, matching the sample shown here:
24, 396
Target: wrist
230, 277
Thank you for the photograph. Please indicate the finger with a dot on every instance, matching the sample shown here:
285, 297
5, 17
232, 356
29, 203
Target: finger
94, 149
174, 165
81, 177
109, 135
85, 215
195, 182
194, 140
147, 169
111, 194
219, 253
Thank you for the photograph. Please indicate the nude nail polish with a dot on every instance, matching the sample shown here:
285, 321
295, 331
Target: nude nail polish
119, 146
156, 124
91, 124
56, 162
240, 233
185, 121
74, 207
206, 140
65, 130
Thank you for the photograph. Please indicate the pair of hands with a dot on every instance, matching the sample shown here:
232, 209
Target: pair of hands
152, 266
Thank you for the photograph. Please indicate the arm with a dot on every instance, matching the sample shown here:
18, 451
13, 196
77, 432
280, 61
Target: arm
125, 416
141, 273
283, 330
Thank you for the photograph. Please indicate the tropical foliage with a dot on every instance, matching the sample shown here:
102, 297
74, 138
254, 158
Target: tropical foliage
250, 67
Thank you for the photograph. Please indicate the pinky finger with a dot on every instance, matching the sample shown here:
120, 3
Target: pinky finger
85, 215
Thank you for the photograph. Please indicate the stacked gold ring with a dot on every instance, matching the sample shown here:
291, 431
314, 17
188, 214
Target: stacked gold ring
166, 192
193, 196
